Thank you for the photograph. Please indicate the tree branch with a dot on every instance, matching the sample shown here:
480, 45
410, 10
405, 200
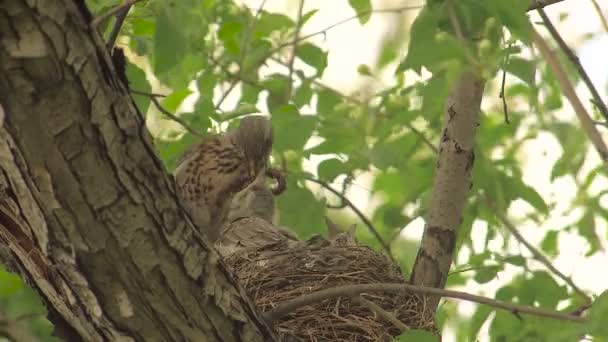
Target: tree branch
584, 118
168, 114
354, 290
358, 212
597, 99
120, 18
535, 252
294, 50
536, 4
112, 12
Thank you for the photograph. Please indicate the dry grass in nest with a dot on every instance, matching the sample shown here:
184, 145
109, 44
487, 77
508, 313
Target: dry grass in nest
272, 277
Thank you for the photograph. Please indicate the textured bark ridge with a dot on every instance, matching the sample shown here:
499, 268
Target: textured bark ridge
87, 211
452, 183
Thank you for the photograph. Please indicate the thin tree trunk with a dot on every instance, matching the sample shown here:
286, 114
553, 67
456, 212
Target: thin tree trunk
452, 184
87, 209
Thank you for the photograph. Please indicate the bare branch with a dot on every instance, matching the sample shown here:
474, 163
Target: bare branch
535, 252
600, 14
184, 124
584, 118
294, 50
597, 99
354, 290
113, 11
120, 18
358, 212
536, 4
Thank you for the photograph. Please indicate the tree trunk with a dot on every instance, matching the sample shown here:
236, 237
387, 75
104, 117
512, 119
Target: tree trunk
451, 185
87, 210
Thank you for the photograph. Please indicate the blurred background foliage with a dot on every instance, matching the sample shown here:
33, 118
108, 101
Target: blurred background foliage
214, 61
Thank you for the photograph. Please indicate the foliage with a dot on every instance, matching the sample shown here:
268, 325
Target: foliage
237, 59
21, 310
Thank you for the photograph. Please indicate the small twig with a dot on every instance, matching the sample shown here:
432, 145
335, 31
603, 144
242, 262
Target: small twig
597, 99
294, 50
120, 18
598, 9
375, 308
535, 252
536, 4
358, 212
242, 55
143, 93
354, 290
568, 89
601, 123
505, 108
345, 184
113, 11
460, 35
422, 137
167, 113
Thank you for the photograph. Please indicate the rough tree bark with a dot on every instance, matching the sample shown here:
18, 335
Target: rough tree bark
87, 210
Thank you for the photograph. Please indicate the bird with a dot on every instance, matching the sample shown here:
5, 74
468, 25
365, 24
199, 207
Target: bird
250, 224
211, 172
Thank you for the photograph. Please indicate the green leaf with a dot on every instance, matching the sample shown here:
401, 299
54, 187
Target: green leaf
363, 8
291, 130
586, 228
229, 34
307, 16
597, 317
329, 169
142, 27
171, 151
513, 14
364, 70
170, 44
549, 243
137, 81
271, 22
175, 99
417, 335
530, 195
481, 315
486, 274
307, 219
19, 302
522, 68
313, 56
303, 94
516, 260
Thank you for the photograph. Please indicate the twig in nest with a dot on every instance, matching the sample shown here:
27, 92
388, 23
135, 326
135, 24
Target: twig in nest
354, 290
375, 308
279, 177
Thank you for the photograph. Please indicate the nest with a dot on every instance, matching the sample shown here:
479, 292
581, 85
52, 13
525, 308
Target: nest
286, 272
